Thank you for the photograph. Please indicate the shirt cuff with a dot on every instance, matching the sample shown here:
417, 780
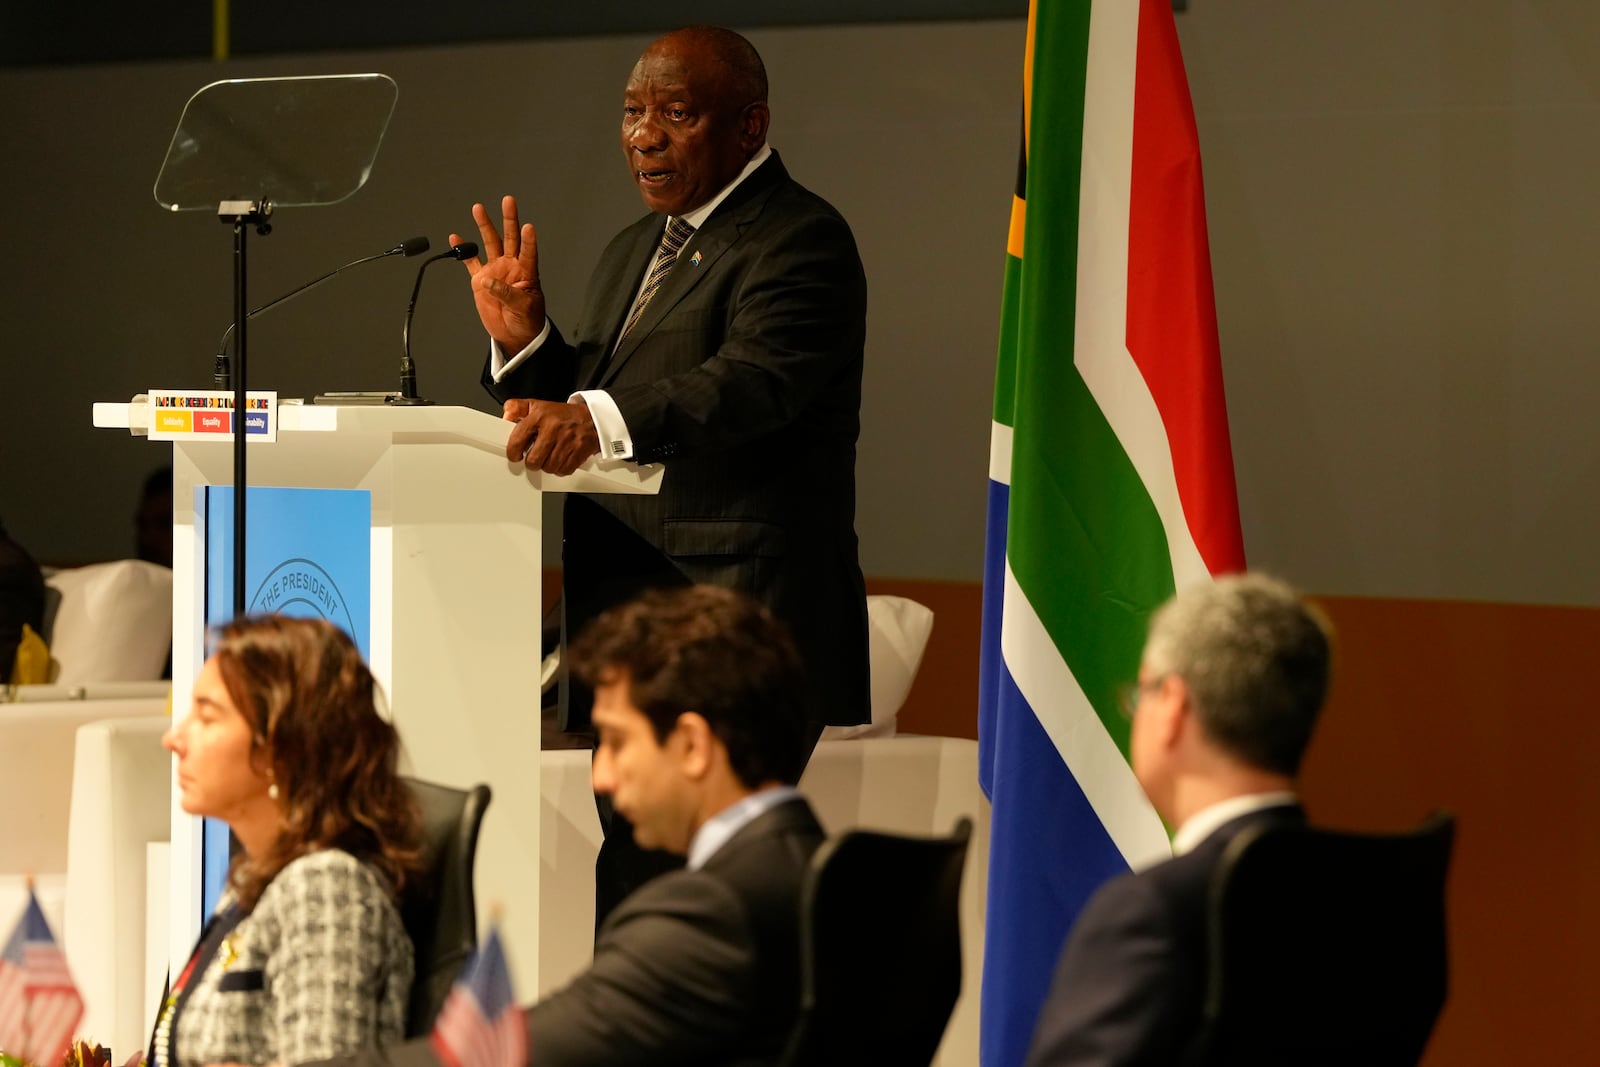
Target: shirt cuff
500, 366
608, 423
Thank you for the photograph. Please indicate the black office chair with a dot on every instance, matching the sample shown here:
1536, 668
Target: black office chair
1326, 947
439, 910
879, 980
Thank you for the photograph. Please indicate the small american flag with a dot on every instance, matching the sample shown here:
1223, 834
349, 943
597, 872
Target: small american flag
39, 1005
481, 1024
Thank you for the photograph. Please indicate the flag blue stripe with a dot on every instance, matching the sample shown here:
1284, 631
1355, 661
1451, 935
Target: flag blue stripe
1048, 850
989, 660
488, 978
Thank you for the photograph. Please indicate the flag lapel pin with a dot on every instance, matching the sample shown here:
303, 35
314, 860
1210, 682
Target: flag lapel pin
694, 260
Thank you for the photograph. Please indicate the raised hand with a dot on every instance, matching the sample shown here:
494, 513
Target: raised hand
505, 287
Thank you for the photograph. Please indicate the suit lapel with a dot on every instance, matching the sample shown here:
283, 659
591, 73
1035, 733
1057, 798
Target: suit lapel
697, 260
620, 288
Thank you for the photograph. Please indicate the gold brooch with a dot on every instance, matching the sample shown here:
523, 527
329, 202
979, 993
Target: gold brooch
229, 951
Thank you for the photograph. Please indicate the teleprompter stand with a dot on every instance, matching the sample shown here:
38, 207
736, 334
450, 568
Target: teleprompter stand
247, 147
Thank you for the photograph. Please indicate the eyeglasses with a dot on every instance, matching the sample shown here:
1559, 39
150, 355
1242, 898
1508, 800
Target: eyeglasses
1128, 696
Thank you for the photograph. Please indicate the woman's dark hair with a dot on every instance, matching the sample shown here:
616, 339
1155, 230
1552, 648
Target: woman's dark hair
311, 704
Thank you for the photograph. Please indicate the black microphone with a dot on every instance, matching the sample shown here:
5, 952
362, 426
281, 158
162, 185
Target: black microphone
222, 375
408, 370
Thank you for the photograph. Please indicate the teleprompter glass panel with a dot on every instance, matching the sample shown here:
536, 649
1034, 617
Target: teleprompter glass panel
293, 141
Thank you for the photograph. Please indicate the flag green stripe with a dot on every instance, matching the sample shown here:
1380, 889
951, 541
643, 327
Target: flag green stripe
1084, 540
1076, 498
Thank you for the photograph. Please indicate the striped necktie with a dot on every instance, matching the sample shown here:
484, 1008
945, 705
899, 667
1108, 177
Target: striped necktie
673, 239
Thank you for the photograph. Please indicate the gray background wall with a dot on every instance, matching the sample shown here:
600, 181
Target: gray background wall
1402, 232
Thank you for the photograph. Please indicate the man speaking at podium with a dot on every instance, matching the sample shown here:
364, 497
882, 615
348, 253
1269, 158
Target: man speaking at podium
721, 335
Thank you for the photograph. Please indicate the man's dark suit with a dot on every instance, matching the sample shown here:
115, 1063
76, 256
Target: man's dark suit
1130, 984
697, 967
743, 376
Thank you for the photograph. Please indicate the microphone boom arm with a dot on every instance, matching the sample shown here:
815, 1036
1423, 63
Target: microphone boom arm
408, 369
220, 374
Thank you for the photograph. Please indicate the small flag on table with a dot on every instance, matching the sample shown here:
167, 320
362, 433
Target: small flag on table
481, 1024
39, 1005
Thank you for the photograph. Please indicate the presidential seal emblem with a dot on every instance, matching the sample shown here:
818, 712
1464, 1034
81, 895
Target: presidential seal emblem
302, 587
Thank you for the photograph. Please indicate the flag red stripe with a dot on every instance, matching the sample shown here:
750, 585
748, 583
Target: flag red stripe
460, 1019
1172, 318
12, 1005
441, 1048
513, 1036
50, 1024
464, 1037
480, 1024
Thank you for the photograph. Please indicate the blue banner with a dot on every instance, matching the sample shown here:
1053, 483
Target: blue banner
308, 553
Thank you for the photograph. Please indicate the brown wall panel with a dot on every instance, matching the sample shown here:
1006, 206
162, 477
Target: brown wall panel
1484, 709
943, 701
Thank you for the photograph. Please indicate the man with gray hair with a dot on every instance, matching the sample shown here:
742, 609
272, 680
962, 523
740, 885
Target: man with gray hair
1230, 685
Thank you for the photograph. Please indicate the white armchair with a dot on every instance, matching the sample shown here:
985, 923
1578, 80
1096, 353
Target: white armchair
897, 635
121, 802
42, 748
37, 742
109, 622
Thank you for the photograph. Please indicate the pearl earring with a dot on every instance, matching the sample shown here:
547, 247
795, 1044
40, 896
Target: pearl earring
272, 790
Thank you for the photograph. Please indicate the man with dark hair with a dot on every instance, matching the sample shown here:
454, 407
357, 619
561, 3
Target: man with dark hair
722, 334
698, 705
710, 650
1233, 677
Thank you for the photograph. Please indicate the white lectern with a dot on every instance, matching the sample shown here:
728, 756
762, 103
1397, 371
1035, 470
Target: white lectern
455, 610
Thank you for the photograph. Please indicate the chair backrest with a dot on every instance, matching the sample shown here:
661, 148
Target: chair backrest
1326, 947
439, 910
878, 983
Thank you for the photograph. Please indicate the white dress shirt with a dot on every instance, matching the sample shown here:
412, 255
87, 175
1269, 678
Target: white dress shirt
1203, 823
716, 831
615, 441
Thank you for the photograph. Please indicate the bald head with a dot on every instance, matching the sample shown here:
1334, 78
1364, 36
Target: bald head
722, 57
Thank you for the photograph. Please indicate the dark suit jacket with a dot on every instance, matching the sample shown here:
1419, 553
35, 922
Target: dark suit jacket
743, 376
1130, 985
696, 967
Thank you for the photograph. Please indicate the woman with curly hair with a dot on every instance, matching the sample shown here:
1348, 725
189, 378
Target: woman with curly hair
306, 956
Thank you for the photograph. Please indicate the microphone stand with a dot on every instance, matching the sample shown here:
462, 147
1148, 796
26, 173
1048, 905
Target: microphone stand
408, 370
241, 215
414, 246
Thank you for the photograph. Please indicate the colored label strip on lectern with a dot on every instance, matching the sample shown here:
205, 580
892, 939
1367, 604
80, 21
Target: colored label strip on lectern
189, 413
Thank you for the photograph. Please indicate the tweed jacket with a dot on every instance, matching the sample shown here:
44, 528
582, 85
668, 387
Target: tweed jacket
321, 966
